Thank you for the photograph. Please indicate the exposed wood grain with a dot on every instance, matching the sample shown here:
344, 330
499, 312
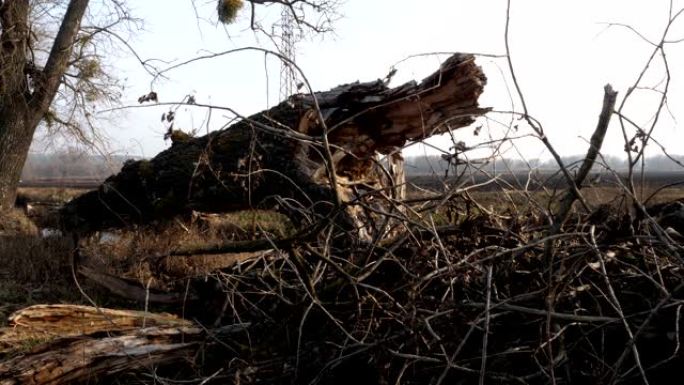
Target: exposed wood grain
60, 344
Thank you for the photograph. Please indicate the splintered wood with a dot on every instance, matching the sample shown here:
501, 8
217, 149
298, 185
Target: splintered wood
60, 344
365, 118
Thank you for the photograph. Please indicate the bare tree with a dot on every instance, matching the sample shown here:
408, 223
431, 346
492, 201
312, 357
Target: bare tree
35, 71
57, 76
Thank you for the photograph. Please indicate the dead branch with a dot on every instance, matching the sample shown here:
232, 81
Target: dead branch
609, 99
60, 344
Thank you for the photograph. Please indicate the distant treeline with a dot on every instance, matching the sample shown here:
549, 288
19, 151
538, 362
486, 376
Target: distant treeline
71, 165
74, 165
431, 164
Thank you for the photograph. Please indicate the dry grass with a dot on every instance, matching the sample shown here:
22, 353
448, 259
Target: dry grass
37, 270
142, 253
49, 194
34, 270
15, 222
44, 203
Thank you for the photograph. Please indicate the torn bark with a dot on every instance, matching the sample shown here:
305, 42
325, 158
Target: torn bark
275, 158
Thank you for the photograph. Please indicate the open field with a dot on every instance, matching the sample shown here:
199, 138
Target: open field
542, 189
58, 190
75, 183
536, 180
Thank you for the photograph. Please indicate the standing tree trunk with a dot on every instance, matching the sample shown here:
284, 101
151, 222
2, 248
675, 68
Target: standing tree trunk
16, 132
23, 105
14, 110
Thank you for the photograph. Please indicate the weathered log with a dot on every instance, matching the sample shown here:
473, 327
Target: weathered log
60, 344
129, 289
276, 157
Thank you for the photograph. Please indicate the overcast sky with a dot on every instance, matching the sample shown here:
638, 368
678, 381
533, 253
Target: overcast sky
562, 51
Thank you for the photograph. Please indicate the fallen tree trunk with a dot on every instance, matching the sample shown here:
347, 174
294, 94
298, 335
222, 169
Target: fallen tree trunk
60, 344
276, 158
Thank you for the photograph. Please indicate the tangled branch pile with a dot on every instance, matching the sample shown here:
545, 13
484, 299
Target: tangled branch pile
491, 298
494, 298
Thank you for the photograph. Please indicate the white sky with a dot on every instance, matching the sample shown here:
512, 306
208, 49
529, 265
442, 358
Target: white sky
562, 54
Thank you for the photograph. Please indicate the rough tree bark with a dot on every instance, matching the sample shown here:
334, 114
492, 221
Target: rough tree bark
276, 157
22, 103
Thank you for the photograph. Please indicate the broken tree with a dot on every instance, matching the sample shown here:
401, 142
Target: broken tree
291, 156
